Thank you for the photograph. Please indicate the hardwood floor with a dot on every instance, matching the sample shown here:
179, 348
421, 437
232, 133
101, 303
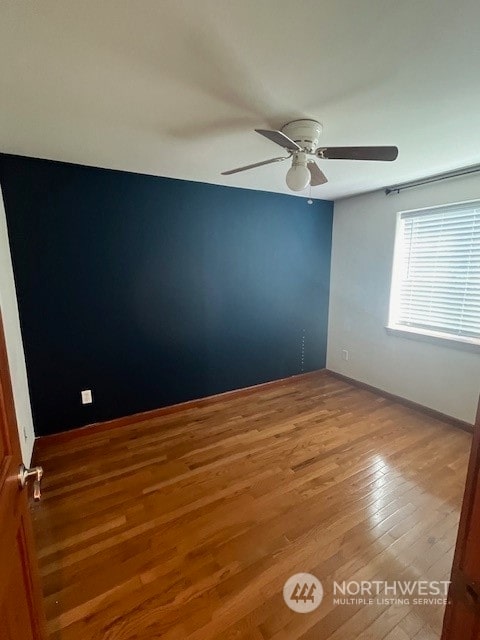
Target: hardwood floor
187, 526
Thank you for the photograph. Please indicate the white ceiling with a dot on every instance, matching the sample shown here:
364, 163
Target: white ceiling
175, 88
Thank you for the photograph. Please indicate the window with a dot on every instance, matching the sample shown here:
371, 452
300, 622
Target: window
436, 273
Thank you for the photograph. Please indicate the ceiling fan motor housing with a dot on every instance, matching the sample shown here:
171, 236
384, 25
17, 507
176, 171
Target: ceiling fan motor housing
306, 133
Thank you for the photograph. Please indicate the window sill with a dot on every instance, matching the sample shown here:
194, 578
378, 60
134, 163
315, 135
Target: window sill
442, 339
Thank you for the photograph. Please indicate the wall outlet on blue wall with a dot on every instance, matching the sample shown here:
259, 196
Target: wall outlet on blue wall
87, 396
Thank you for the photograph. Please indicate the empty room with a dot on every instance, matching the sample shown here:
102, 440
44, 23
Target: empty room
239, 320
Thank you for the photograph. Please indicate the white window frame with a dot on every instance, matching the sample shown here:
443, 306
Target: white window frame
447, 339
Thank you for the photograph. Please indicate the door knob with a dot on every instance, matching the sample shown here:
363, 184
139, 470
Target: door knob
24, 476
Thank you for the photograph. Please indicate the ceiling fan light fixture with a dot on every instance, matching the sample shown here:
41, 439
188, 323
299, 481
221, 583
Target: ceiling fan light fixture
298, 176
300, 138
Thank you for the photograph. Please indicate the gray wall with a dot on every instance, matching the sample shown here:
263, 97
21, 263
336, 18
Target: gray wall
442, 378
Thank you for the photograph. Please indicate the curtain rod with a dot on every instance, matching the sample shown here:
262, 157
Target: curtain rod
457, 173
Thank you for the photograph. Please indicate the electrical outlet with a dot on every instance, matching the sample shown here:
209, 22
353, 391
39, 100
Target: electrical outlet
345, 355
87, 396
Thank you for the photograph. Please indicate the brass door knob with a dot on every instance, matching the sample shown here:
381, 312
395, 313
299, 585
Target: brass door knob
24, 476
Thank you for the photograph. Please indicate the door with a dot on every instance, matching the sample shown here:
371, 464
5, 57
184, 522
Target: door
462, 615
21, 613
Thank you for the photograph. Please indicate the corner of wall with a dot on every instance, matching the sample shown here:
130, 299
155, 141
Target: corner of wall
13, 338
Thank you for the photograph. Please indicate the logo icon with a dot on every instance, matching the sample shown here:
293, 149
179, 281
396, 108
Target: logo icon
303, 592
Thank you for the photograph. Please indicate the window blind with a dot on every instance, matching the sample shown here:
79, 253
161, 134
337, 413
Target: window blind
438, 270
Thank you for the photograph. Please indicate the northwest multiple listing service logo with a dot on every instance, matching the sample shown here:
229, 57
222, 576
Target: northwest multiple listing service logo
303, 592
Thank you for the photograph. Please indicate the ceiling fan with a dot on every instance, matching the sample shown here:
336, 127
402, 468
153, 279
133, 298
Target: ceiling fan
300, 139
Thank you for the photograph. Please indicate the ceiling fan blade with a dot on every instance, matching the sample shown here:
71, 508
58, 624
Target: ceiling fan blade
279, 138
253, 166
387, 154
318, 177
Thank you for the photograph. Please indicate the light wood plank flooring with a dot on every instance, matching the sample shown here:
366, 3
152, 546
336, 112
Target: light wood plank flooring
187, 526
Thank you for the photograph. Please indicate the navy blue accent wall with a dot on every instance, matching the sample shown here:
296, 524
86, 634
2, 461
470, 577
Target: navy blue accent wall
152, 291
